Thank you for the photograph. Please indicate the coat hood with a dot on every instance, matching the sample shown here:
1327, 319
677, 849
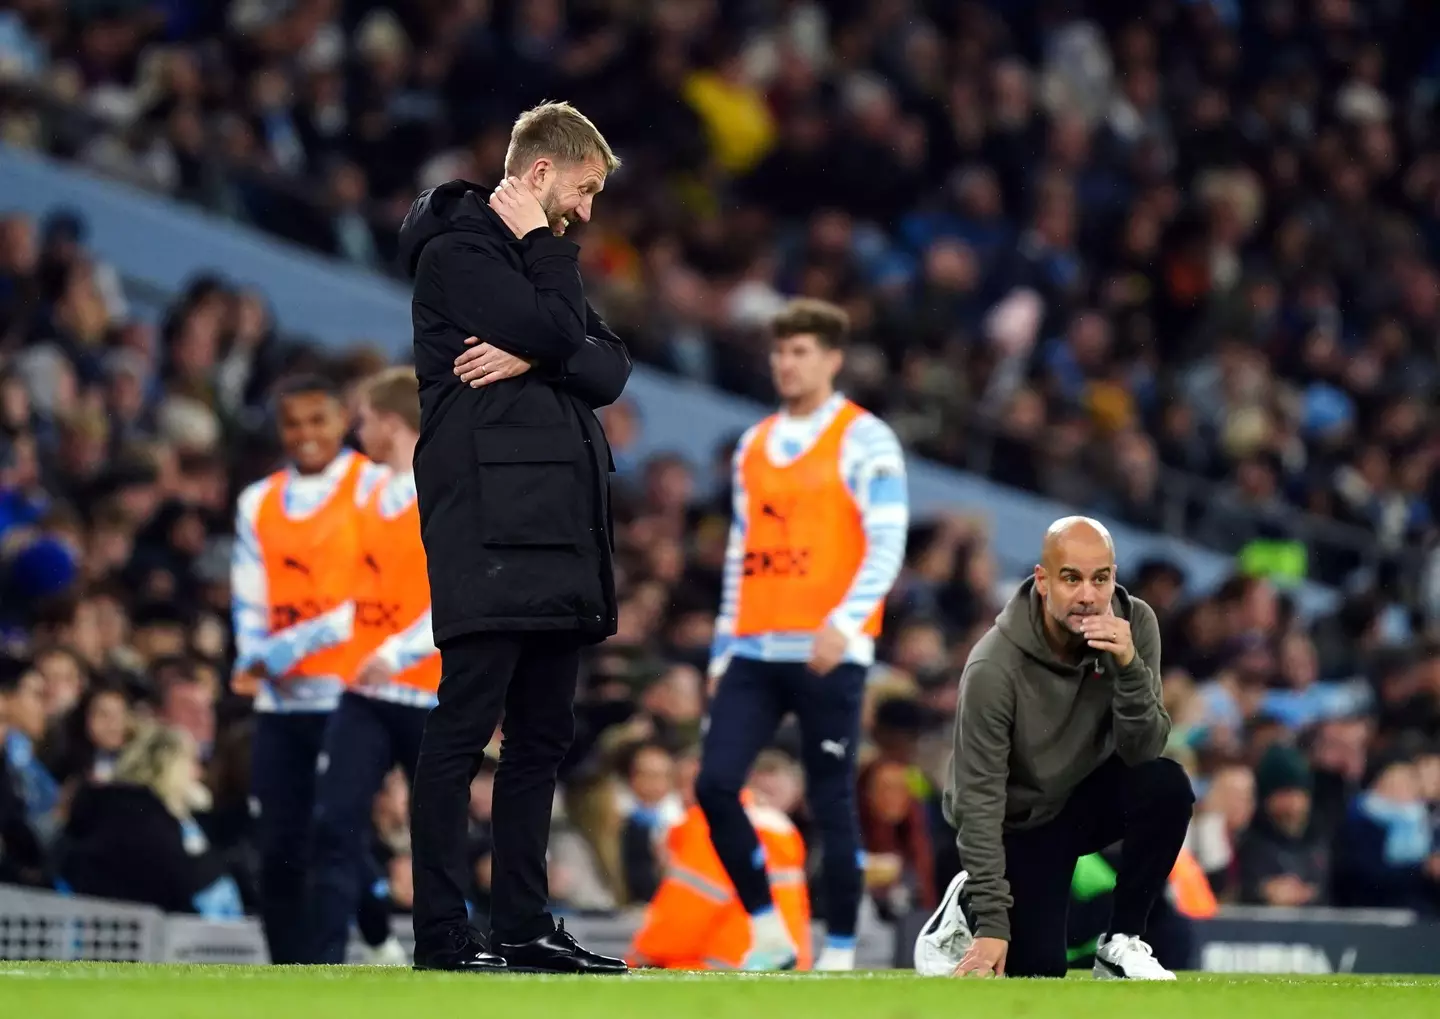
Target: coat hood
457, 205
1021, 622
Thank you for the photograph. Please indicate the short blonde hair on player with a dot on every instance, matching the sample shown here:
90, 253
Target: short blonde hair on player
394, 391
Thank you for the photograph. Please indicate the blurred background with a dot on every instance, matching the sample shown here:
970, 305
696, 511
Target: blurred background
1172, 263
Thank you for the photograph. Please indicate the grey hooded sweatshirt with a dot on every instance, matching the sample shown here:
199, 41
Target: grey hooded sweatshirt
1031, 727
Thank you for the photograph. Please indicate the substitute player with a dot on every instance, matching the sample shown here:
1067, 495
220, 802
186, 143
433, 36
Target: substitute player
820, 518
381, 717
1057, 755
292, 586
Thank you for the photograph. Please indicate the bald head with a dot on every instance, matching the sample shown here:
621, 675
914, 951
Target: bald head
1080, 534
1076, 573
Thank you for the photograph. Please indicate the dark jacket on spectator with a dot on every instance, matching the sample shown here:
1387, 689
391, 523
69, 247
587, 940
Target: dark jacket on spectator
22, 860
1364, 878
513, 478
1266, 852
637, 857
121, 843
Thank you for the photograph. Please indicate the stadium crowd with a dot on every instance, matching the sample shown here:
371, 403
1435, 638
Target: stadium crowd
1173, 261
1078, 252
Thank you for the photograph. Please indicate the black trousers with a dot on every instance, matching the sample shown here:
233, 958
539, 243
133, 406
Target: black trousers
752, 699
530, 678
364, 739
1146, 808
283, 756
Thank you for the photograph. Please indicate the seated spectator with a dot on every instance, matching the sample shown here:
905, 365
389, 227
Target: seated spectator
675, 702
653, 807
780, 783
898, 725
22, 713
695, 920
1224, 812
136, 839
66, 677
159, 630
1305, 699
187, 700
22, 858
391, 819
893, 823
387, 874
1385, 854
1280, 862
87, 746
1338, 750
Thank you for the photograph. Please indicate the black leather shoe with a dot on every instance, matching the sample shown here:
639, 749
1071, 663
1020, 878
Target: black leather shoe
557, 952
464, 952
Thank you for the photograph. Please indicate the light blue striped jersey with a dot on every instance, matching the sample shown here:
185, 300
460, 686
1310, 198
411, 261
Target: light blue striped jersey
873, 466
302, 496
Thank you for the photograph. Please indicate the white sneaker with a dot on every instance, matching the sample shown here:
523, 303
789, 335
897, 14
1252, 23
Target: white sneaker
946, 936
771, 947
391, 953
1125, 957
835, 960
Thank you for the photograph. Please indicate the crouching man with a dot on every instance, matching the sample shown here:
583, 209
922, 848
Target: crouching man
1057, 755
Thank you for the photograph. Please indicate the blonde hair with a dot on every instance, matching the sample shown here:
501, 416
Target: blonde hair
148, 760
560, 132
394, 391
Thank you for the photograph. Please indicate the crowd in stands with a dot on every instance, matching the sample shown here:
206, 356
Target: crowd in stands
1082, 255
1170, 260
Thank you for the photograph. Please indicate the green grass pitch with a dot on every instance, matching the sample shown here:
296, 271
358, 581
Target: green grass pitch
119, 991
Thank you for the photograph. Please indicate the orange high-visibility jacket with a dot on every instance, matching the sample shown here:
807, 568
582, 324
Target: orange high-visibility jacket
696, 921
1190, 887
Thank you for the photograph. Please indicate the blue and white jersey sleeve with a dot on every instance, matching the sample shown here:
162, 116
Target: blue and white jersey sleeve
250, 603
410, 646
873, 465
722, 644
294, 644
249, 587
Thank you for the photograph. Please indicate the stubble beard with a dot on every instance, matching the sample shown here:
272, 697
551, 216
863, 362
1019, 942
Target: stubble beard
553, 216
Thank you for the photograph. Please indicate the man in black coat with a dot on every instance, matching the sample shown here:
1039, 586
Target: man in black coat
512, 472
